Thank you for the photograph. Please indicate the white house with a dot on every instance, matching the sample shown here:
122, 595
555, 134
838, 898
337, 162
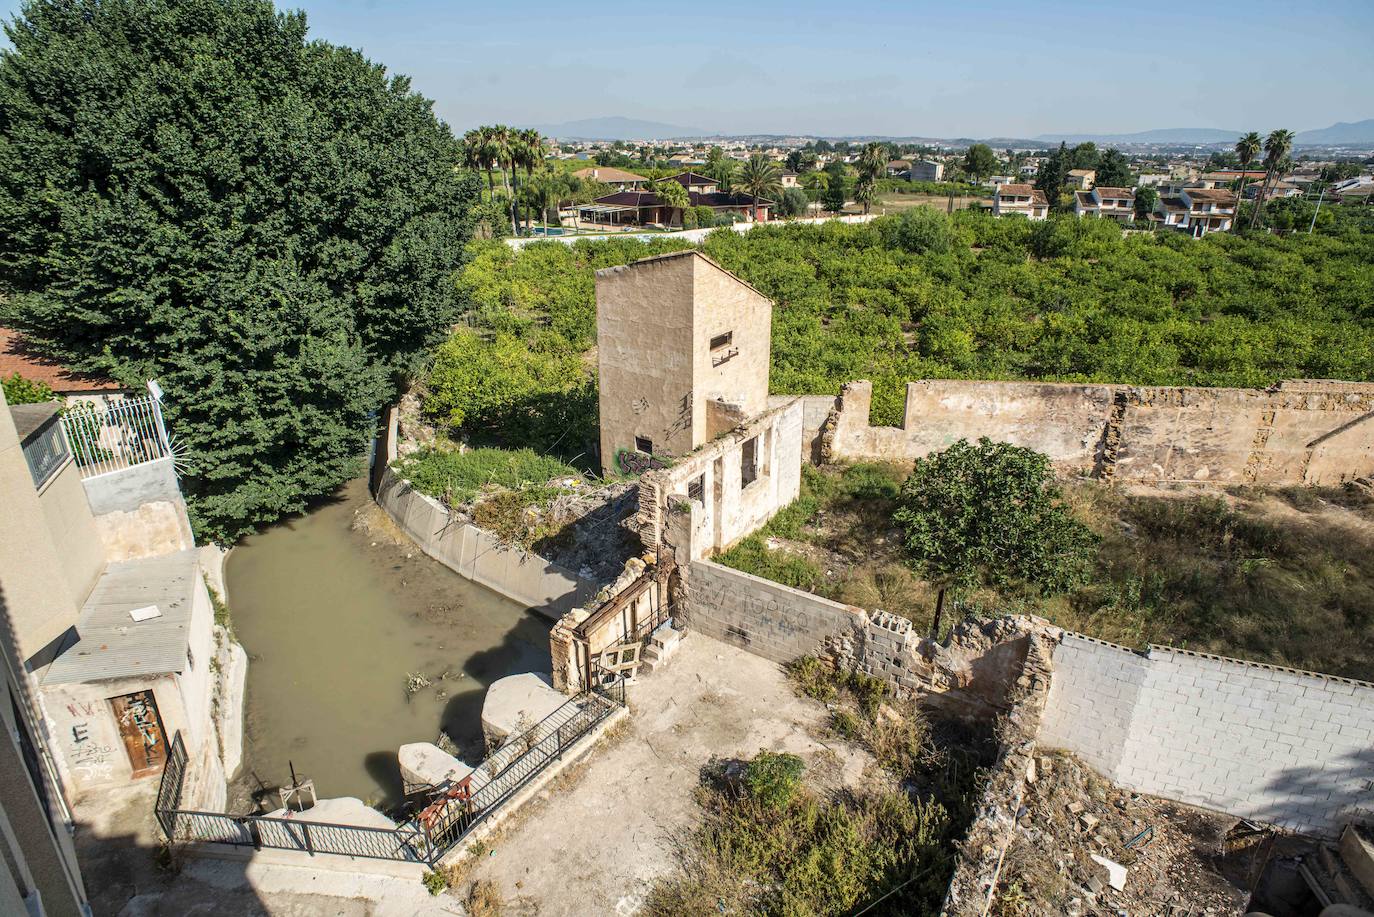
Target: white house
1026, 200
1198, 211
1104, 201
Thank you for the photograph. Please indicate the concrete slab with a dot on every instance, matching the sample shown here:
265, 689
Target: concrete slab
425, 762
343, 810
516, 702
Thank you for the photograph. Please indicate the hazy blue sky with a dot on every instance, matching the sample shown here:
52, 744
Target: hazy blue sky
946, 69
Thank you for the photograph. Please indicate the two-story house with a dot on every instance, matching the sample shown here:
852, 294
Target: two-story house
1198, 211
1103, 201
1081, 179
1024, 199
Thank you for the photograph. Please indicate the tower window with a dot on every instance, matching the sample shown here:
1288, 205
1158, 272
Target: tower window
722, 340
644, 445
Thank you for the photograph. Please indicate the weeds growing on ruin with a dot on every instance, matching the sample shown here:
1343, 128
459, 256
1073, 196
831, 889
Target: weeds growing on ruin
761, 852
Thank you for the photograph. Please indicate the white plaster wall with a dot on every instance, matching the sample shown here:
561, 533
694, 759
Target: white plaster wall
1277, 745
89, 751
194, 682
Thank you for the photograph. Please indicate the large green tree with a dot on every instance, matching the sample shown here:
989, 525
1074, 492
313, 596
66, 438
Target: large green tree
191, 190
990, 514
979, 162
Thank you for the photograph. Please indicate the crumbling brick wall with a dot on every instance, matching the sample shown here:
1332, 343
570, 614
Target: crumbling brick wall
1291, 748
1298, 432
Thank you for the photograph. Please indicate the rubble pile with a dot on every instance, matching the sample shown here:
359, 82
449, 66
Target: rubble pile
1084, 847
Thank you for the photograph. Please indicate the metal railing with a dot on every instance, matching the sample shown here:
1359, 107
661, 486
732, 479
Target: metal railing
424, 839
116, 435
514, 764
45, 451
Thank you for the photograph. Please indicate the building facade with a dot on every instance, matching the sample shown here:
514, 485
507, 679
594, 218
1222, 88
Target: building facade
1114, 203
1023, 199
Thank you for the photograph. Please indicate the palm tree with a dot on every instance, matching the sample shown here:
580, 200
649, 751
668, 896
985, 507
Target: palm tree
759, 178
1247, 148
873, 161
673, 195
477, 153
529, 155
865, 190
1277, 146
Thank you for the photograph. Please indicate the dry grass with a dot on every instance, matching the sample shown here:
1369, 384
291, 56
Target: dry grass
484, 899
1279, 576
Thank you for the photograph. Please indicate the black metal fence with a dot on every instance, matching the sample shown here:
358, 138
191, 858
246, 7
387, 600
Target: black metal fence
425, 839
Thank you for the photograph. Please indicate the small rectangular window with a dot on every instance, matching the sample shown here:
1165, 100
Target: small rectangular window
696, 489
190, 660
722, 340
644, 445
749, 462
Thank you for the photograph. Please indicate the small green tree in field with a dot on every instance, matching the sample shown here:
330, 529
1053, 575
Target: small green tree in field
990, 514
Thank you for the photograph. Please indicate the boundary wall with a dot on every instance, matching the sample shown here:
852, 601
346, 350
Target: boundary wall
1290, 748
689, 235
1307, 431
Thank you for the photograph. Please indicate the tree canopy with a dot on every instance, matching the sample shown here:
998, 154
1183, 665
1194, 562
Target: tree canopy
990, 514
268, 225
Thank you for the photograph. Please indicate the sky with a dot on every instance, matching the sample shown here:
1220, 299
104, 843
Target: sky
1006, 68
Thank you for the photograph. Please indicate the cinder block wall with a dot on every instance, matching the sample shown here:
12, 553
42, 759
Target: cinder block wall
1291, 748
763, 617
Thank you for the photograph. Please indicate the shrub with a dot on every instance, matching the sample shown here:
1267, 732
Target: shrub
773, 778
812, 677
19, 390
435, 881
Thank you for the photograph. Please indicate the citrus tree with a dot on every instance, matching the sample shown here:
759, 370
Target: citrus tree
990, 514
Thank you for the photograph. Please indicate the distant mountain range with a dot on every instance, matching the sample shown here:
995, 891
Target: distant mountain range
1163, 135
1357, 133
616, 129
1353, 133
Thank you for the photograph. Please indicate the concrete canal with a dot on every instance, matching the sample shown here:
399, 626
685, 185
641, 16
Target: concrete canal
337, 609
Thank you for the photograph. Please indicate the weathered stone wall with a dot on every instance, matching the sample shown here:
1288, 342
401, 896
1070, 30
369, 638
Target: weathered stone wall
727, 509
1299, 432
478, 555
1277, 745
970, 674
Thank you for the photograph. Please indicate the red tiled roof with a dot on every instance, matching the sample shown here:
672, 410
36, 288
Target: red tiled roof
18, 356
1211, 195
1038, 197
1015, 190
1106, 191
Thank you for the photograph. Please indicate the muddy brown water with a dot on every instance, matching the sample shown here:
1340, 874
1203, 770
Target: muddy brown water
334, 617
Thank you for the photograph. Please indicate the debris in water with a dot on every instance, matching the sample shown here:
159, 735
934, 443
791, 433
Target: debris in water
415, 682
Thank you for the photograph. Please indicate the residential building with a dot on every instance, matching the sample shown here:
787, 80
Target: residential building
1103, 201
41, 876
898, 167
996, 180
1197, 211
18, 356
1224, 178
1278, 189
105, 606
789, 180
1081, 179
616, 178
926, 170
1152, 179
641, 208
1026, 200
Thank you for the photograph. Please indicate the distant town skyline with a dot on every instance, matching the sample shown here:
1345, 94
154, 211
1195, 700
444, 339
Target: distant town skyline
990, 69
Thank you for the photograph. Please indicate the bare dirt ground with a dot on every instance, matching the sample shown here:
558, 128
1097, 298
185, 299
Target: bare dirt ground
895, 203
592, 843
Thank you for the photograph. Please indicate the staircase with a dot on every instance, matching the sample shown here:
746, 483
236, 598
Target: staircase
1342, 874
662, 644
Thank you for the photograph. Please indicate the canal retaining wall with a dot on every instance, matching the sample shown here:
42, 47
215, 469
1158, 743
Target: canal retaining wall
470, 551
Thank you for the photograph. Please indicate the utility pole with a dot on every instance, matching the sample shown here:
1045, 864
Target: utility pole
1317, 211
